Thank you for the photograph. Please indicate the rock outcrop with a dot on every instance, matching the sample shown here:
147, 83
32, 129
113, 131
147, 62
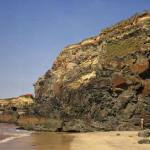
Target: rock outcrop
99, 84
12, 108
18, 102
144, 133
145, 137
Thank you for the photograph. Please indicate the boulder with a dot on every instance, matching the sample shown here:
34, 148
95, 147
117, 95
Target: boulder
141, 65
144, 133
144, 141
118, 81
146, 89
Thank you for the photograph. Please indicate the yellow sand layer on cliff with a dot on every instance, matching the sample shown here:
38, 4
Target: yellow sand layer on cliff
17, 102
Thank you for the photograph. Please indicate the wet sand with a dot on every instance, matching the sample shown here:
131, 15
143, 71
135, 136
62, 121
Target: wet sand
9, 132
76, 141
6, 131
2, 136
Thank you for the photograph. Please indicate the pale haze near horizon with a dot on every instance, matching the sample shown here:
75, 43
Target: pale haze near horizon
33, 32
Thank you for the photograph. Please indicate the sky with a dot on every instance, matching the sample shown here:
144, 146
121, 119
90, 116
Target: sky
34, 32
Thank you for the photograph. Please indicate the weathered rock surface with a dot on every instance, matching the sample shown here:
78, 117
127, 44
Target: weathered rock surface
18, 102
101, 83
11, 109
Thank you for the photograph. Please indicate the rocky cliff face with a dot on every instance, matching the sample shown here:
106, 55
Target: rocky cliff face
12, 108
18, 102
101, 83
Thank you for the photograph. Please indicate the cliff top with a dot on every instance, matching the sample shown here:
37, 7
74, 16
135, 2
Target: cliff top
18, 102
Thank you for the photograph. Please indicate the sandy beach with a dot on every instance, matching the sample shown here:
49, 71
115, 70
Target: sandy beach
71, 141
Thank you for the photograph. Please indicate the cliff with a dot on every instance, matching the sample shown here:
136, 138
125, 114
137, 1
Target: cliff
101, 83
12, 108
18, 102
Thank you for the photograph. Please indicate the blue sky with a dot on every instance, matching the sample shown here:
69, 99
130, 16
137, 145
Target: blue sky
33, 32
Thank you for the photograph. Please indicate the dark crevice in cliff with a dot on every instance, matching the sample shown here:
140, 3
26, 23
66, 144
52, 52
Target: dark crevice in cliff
145, 75
140, 90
